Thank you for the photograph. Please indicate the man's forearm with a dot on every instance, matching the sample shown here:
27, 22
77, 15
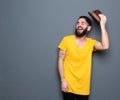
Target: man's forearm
105, 39
61, 64
61, 69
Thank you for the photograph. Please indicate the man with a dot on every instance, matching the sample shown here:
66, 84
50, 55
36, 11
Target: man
75, 57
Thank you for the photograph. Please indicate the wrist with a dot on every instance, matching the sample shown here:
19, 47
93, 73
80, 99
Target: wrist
62, 80
102, 27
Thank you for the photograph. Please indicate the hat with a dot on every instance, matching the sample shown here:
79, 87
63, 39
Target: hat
94, 14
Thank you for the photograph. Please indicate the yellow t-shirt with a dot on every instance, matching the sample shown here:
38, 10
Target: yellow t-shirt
77, 64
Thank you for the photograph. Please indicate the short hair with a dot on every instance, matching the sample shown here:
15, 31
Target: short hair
87, 19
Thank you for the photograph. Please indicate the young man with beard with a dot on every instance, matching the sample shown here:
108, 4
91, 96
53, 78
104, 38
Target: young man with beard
75, 57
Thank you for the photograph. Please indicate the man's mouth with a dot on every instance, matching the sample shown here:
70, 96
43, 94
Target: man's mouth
79, 28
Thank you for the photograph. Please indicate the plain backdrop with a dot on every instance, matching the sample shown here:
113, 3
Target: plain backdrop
30, 31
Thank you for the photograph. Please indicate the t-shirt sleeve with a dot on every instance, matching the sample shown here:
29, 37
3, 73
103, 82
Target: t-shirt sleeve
63, 44
94, 42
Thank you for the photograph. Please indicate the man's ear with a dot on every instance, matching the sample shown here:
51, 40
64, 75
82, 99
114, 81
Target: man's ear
89, 28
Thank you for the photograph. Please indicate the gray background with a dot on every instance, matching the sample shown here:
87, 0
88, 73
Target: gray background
30, 31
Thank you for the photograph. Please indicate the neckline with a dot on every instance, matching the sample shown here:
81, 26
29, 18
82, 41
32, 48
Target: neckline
77, 45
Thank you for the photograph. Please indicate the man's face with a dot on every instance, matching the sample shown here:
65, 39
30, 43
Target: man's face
81, 27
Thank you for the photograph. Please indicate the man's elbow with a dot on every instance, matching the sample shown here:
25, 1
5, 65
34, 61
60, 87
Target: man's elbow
106, 47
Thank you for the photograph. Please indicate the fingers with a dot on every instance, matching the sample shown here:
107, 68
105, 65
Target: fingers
65, 89
64, 86
102, 17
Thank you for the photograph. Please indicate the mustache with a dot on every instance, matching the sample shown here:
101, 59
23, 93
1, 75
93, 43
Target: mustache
80, 27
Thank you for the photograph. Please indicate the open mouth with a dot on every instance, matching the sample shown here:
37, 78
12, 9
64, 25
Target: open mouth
79, 28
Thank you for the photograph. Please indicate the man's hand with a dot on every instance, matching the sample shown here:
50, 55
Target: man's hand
64, 86
103, 20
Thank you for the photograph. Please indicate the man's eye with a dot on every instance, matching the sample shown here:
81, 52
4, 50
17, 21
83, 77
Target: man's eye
82, 23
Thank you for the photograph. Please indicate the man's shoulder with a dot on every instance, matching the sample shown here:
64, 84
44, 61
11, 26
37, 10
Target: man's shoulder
68, 36
91, 39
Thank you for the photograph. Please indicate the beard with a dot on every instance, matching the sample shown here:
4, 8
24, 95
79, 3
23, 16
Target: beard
78, 34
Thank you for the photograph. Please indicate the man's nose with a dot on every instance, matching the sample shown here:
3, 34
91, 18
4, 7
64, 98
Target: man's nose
80, 24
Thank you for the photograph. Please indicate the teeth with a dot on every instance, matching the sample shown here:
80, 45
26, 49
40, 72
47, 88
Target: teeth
80, 28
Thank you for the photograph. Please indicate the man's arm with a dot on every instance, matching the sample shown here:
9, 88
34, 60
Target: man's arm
104, 44
61, 56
